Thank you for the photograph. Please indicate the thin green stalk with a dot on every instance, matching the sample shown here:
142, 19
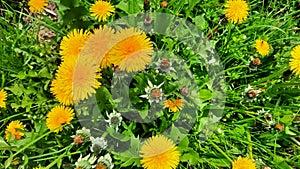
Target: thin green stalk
43, 155
250, 144
59, 158
274, 75
10, 117
7, 163
221, 151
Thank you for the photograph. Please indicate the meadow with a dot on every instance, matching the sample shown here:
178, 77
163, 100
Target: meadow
99, 84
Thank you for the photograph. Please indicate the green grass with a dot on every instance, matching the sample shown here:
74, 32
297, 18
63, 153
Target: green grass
28, 65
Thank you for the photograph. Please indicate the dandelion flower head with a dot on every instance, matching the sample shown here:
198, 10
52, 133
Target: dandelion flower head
72, 44
133, 50
242, 163
262, 47
159, 152
37, 5
101, 10
236, 11
98, 46
3, 96
58, 116
295, 60
174, 106
75, 81
14, 130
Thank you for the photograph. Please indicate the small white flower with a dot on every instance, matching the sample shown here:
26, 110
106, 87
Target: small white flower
86, 162
263, 111
105, 161
164, 65
212, 60
83, 133
154, 93
114, 119
220, 131
98, 144
250, 94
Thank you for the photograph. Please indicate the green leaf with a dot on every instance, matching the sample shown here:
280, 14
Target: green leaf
200, 22
130, 7
8, 161
184, 143
192, 157
143, 113
280, 163
289, 132
220, 162
44, 73
3, 144
75, 14
69, 3
205, 94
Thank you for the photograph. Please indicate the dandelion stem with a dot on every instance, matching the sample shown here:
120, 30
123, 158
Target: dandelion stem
10, 117
221, 151
59, 158
250, 144
26, 146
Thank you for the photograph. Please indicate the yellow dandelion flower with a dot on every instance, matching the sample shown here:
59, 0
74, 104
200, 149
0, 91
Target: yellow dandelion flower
242, 163
58, 116
37, 5
98, 45
85, 78
3, 96
72, 44
101, 10
262, 47
295, 60
236, 11
14, 130
159, 152
174, 106
75, 81
132, 50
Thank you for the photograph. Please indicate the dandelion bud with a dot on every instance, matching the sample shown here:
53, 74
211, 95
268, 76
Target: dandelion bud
165, 63
147, 20
256, 61
78, 139
164, 4
184, 91
279, 126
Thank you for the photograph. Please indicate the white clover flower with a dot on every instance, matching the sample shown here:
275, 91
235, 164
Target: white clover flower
154, 93
86, 162
105, 162
114, 119
98, 144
